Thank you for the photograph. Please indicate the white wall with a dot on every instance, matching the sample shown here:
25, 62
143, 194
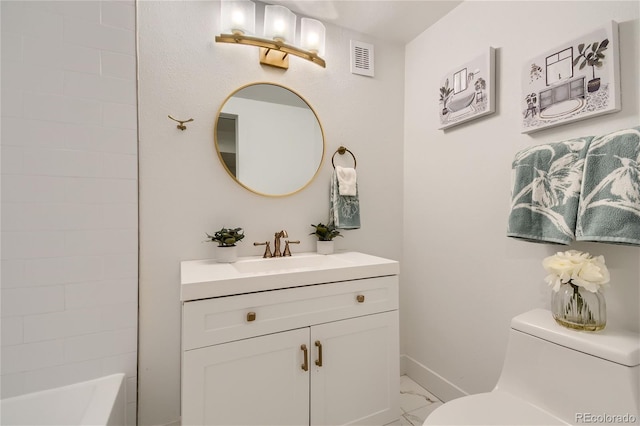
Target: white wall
69, 194
462, 278
186, 192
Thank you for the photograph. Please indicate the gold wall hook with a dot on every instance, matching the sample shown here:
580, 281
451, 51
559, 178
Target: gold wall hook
181, 125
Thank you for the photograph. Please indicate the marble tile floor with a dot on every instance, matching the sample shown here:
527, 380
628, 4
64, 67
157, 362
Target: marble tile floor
416, 403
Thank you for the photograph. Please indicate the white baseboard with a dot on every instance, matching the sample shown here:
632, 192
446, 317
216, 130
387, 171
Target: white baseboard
429, 379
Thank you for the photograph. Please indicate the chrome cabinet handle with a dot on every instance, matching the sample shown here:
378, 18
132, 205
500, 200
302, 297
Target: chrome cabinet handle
319, 360
305, 356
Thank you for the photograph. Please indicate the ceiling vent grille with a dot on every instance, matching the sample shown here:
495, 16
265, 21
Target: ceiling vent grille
361, 58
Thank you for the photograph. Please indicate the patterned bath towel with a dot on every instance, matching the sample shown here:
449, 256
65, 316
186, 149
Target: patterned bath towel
344, 210
609, 209
545, 189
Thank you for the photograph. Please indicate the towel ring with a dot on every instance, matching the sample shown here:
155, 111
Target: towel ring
341, 151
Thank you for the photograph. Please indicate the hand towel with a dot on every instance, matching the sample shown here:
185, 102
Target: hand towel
545, 189
346, 180
609, 209
344, 210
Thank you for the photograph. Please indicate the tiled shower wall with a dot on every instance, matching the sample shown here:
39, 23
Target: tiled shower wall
69, 194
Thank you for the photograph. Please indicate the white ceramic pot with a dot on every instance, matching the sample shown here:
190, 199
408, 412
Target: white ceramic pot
324, 247
226, 254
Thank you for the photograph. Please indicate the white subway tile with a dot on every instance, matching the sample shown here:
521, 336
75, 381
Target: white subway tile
132, 386
123, 166
119, 317
12, 384
11, 160
118, 65
34, 133
90, 190
13, 273
32, 244
80, 59
119, 191
99, 242
99, 36
57, 325
100, 345
64, 270
61, 108
42, 79
125, 363
115, 140
60, 162
119, 216
12, 18
43, 51
119, 115
32, 300
40, 22
11, 45
36, 216
33, 189
131, 414
106, 294
118, 14
32, 356
82, 10
12, 103
11, 76
61, 375
120, 266
12, 331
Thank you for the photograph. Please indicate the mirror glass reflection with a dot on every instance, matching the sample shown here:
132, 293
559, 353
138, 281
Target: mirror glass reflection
269, 139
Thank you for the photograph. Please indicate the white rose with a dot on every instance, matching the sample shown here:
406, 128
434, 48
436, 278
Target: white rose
592, 274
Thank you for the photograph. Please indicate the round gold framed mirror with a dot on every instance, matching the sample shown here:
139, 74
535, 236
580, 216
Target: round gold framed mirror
269, 139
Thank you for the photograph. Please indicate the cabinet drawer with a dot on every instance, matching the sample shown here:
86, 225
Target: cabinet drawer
224, 319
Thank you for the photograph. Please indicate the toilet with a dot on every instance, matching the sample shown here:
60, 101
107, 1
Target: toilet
556, 376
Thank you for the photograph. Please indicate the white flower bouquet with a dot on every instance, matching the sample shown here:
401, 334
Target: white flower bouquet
577, 268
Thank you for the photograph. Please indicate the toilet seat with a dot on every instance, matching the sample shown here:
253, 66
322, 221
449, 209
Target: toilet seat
491, 408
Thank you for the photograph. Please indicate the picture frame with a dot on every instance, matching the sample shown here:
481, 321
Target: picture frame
467, 92
577, 80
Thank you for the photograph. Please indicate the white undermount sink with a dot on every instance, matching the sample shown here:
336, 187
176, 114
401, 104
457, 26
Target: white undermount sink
202, 279
285, 264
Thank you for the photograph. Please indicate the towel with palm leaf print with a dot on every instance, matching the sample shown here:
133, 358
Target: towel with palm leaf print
609, 208
545, 189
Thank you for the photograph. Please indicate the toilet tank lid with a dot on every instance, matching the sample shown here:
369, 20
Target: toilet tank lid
620, 346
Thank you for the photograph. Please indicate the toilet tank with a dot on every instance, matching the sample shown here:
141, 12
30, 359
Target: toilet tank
580, 377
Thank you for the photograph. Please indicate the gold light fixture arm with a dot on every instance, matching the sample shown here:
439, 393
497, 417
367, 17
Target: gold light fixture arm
272, 47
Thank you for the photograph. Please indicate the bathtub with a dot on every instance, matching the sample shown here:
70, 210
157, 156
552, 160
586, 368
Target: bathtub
95, 402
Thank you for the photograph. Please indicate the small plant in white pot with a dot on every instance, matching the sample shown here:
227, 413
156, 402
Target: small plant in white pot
325, 234
227, 251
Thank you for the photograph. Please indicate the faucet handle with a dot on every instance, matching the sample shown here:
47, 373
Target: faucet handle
267, 249
287, 252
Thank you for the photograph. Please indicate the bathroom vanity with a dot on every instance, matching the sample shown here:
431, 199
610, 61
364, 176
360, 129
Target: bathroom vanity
307, 339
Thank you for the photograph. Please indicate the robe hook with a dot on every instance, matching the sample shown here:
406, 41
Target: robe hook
181, 126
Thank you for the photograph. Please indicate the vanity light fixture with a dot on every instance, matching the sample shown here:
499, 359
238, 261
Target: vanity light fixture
238, 26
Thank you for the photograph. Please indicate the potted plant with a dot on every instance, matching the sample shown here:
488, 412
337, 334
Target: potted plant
227, 251
325, 234
592, 56
445, 94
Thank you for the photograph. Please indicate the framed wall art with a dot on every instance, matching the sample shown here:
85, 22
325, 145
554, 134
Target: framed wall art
467, 92
578, 79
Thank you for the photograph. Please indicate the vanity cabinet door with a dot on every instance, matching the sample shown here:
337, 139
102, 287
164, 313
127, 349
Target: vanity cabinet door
258, 381
358, 381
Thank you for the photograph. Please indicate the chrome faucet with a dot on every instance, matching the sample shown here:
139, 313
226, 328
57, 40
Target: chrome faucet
276, 242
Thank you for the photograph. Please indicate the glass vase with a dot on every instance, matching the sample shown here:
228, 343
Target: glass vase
575, 307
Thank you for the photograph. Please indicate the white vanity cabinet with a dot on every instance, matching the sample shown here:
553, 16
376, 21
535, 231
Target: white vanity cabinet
318, 354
